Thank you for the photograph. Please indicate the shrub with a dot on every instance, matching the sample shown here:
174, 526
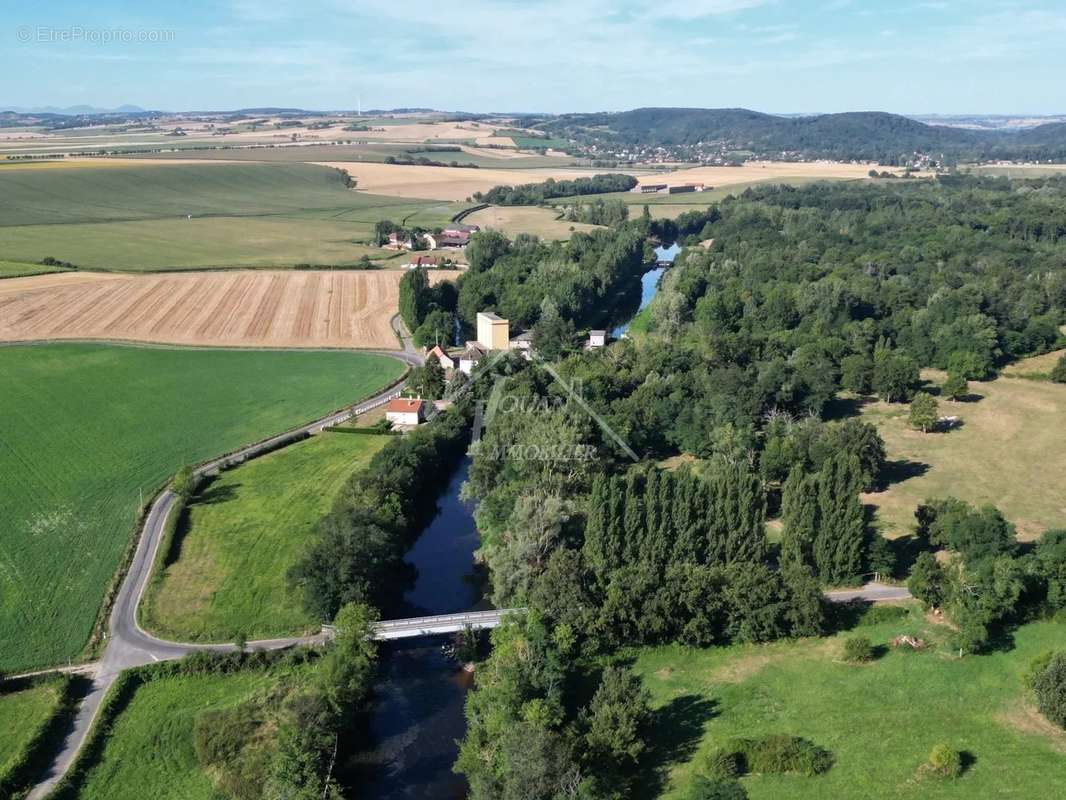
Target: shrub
1058, 374
944, 761
781, 754
858, 649
711, 789
722, 763
1036, 666
1049, 686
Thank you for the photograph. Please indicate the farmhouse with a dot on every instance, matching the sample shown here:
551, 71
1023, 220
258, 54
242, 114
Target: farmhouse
453, 239
471, 357
459, 227
492, 331
405, 411
445, 360
523, 343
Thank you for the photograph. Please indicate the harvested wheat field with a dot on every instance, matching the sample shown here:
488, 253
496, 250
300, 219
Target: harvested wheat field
443, 183
754, 171
233, 309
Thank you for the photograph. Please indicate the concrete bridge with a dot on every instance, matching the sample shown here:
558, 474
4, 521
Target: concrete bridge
440, 624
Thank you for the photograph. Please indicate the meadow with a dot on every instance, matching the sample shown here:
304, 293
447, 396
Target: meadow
23, 711
1009, 450
90, 431
512, 220
227, 566
879, 720
132, 216
19, 269
149, 750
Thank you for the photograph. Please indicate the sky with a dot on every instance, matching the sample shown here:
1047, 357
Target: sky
783, 56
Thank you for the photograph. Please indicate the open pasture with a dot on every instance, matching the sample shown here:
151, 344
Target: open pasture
762, 172
90, 431
344, 309
240, 536
513, 220
879, 720
1009, 451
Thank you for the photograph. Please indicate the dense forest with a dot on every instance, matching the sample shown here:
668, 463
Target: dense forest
877, 136
802, 294
531, 194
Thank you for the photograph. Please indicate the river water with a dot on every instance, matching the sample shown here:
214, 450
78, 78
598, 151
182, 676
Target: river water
649, 284
417, 713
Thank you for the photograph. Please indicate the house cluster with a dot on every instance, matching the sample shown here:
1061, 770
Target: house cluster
453, 236
657, 188
493, 334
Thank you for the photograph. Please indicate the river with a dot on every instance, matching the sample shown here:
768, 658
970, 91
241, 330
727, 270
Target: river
417, 713
649, 284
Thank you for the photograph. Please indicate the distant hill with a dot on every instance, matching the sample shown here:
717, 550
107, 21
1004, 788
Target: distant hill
865, 135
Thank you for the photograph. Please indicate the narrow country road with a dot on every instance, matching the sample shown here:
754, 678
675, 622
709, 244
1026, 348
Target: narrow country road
127, 644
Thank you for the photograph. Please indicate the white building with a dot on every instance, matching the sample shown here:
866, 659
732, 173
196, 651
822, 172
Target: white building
492, 331
523, 343
445, 360
405, 411
471, 357
597, 339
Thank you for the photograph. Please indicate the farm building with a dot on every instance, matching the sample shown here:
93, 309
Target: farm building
492, 331
453, 239
405, 411
424, 261
649, 188
445, 360
686, 187
471, 357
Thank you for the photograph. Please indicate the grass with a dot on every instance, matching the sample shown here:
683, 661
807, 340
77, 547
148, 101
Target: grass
149, 751
513, 220
243, 533
131, 216
1009, 451
22, 712
880, 720
19, 269
90, 429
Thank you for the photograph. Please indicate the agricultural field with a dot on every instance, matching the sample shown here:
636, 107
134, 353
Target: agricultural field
350, 309
879, 720
18, 269
128, 215
22, 712
513, 220
1010, 450
90, 432
150, 752
453, 184
241, 535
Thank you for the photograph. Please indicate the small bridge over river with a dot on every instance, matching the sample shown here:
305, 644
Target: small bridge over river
441, 623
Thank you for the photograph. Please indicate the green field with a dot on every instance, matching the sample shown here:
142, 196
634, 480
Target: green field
879, 720
149, 752
22, 712
18, 269
1009, 450
241, 536
89, 428
133, 217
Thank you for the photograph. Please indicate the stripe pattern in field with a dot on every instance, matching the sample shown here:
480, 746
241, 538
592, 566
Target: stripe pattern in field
232, 309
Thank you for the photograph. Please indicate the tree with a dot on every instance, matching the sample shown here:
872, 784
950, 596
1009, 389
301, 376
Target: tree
715, 789
347, 671
841, 533
617, 716
427, 381
926, 581
1050, 689
553, 336
895, 377
858, 649
414, 297
484, 249
1058, 374
924, 413
955, 387
945, 761
856, 374
184, 482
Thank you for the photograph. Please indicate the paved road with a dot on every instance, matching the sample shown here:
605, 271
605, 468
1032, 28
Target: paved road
127, 644
873, 592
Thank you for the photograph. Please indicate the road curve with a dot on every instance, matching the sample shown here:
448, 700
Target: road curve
127, 644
